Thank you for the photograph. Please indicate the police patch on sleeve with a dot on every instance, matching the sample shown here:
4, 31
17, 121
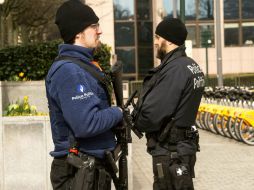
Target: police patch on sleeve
80, 88
199, 81
81, 94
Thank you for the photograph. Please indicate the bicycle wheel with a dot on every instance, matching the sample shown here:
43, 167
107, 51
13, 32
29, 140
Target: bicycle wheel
224, 121
246, 132
230, 128
197, 122
236, 128
217, 124
201, 120
209, 122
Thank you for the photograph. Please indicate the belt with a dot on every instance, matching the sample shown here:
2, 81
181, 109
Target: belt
179, 134
170, 155
61, 157
97, 161
82, 156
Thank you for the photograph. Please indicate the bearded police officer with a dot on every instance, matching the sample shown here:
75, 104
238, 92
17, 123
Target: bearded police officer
167, 108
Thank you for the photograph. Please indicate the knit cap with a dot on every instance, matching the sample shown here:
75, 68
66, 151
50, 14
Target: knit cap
173, 30
72, 17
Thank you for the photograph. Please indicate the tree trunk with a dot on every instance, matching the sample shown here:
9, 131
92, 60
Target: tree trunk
1, 32
24, 35
5, 35
10, 33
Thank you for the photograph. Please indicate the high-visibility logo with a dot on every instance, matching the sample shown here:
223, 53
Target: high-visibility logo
80, 88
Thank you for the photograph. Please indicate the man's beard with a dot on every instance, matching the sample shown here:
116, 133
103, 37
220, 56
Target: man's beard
161, 51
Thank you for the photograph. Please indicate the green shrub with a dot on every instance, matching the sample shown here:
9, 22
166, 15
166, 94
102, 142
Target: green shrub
32, 62
102, 56
29, 62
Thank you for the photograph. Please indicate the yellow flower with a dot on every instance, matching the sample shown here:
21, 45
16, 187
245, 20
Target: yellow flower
15, 106
26, 107
21, 74
33, 108
25, 98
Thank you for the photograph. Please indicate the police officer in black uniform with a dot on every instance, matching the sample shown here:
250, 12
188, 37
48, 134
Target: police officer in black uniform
167, 108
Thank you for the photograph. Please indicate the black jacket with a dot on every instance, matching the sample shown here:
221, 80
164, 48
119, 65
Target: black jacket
171, 90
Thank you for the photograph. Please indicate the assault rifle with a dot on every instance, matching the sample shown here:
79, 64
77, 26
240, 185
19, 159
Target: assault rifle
123, 132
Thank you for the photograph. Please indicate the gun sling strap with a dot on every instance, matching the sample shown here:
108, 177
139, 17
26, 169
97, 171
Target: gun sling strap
102, 79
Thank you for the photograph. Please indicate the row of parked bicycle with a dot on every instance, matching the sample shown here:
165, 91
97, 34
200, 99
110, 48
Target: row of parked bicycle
229, 112
230, 96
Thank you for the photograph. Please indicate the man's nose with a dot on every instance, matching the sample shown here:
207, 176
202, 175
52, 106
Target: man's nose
99, 31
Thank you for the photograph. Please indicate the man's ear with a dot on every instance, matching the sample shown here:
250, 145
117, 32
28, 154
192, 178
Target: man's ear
78, 36
169, 43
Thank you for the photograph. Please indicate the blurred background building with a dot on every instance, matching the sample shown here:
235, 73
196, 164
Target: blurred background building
128, 27
135, 22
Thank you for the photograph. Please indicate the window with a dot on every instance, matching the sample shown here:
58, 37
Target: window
134, 36
168, 8
206, 35
190, 10
123, 10
231, 9
145, 56
239, 22
127, 56
192, 35
205, 10
124, 34
247, 9
144, 10
145, 33
231, 32
248, 33
144, 37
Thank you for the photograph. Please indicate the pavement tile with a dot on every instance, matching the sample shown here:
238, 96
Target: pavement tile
222, 164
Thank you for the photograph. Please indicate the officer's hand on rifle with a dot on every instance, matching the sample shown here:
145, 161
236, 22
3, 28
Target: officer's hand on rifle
120, 109
127, 117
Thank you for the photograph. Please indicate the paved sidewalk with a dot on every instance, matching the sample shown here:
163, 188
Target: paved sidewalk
223, 164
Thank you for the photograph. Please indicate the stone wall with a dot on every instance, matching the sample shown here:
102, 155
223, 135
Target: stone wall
25, 143
235, 60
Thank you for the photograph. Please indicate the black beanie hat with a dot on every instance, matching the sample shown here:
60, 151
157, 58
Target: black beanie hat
173, 30
73, 17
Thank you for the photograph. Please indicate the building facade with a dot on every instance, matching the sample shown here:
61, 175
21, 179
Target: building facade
128, 27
